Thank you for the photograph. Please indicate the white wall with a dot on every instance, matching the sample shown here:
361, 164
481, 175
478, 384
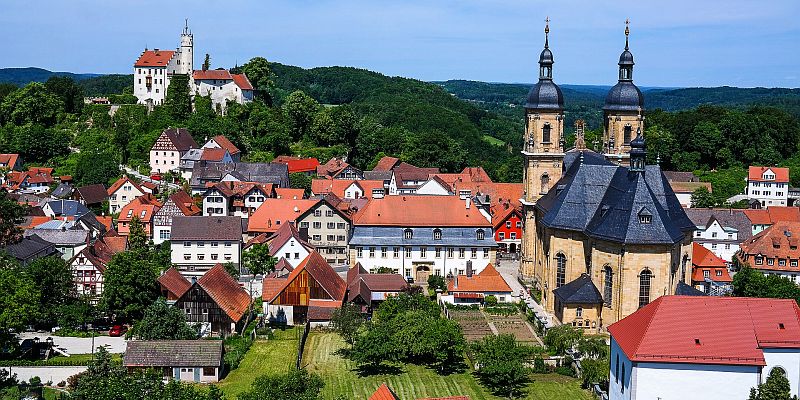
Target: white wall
712, 237
164, 160
685, 199
293, 251
405, 265
769, 193
220, 90
225, 251
124, 195
789, 360
157, 229
158, 88
215, 204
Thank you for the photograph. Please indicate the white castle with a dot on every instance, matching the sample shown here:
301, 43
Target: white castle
154, 69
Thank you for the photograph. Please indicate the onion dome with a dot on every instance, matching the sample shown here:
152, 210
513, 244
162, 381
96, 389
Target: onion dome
545, 95
625, 96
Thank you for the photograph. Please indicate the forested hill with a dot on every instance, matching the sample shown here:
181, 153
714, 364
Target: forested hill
23, 76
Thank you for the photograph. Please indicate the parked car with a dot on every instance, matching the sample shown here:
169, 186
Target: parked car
117, 330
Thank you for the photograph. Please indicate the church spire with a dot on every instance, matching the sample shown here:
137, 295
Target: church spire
638, 152
546, 32
627, 32
626, 58
546, 57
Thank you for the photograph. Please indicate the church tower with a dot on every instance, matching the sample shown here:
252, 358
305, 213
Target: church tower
543, 147
186, 57
623, 111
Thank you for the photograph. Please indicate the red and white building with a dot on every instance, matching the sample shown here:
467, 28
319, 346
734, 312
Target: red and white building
223, 87
89, 265
709, 272
122, 192
768, 185
171, 145
775, 250
474, 288
507, 221
306, 166
699, 347
144, 208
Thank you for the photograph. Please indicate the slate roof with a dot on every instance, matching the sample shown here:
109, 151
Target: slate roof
604, 201
421, 236
732, 218
410, 210
580, 291
206, 228
63, 190
29, 247
173, 353
69, 208
684, 289
93, 194
275, 173
70, 237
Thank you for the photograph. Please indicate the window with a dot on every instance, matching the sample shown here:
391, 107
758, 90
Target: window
304, 225
316, 238
187, 257
706, 273
187, 244
331, 238
209, 371
214, 244
341, 238
227, 244
396, 252
474, 252
713, 234
561, 270
408, 234
437, 234
384, 250
508, 224
502, 235
759, 260
546, 133
579, 312
770, 261
727, 246
713, 246
449, 252
317, 213
519, 224
408, 252
423, 252
201, 256
341, 225
163, 234
359, 252
718, 273
781, 262
201, 244
214, 256
328, 213
626, 134
438, 252
317, 225
480, 234
608, 285
331, 225
486, 252
227, 257
371, 252
545, 182
461, 252
645, 219
792, 263
513, 235
644, 287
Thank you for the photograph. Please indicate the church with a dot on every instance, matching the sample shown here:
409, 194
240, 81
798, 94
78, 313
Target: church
603, 233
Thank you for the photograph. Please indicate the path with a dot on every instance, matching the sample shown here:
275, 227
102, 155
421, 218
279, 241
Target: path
75, 345
46, 374
145, 178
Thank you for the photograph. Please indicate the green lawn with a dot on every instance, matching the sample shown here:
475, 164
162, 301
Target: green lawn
493, 140
277, 355
413, 381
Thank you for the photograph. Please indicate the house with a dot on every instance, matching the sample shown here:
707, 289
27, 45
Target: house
710, 272
173, 285
143, 208
474, 288
761, 219
684, 184
64, 209
385, 393
64, 190
368, 290
348, 188
721, 230
275, 212
336, 168
299, 165
171, 145
774, 251
386, 163
199, 243
309, 293
236, 198
289, 193
221, 142
507, 224
327, 222
68, 242
86, 222
30, 248
434, 186
682, 347
421, 235
406, 178
178, 204
11, 162
182, 360
34, 180
89, 265
122, 192
768, 185
204, 174
215, 301
287, 243
91, 195
223, 87
153, 70
579, 303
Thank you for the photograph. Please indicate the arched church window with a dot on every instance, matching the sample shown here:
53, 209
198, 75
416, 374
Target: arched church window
608, 285
545, 179
546, 133
644, 287
626, 134
561, 270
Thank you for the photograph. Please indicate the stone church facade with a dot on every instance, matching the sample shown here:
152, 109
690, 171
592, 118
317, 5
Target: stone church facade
603, 232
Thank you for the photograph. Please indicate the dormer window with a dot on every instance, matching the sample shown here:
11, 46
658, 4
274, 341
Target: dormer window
130, 213
480, 234
408, 234
645, 217
437, 234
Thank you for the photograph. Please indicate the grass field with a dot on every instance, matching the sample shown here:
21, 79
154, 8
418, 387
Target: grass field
414, 381
493, 140
277, 355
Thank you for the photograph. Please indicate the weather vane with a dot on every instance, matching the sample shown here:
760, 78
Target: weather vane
627, 31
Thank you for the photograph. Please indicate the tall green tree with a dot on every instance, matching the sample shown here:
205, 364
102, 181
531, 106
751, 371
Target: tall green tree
137, 237
33, 104
19, 300
54, 276
702, 198
206, 62
129, 285
69, 92
162, 322
178, 101
300, 109
347, 320
776, 387
11, 215
260, 75
299, 180
501, 362
95, 168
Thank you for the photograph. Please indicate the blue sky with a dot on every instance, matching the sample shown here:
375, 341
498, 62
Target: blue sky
675, 42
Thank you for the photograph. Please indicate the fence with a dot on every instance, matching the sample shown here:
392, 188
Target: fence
302, 344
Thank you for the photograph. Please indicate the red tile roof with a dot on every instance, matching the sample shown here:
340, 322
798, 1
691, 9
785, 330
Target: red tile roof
226, 292
212, 74
174, 283
500, 214
10, 160
226, 144
121, 181
319, 270
384, 393
332, 168
275, 212
703, 257
419, 211
215, 154
154, 58
781, 241
755, 174
297, 164
386, 163
142, 207
489, 280
289, 193
708, 330
185, 203
339, 186
242, 82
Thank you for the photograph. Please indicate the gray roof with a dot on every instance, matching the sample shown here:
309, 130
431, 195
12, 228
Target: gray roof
70, 237
580, 291
173, 353
275, 173
72, 208
732, 218
678, 176
206, 228
604, 200
421, 236
624, 96
545, 95
31, 247
686, 290
61, 191
378, 175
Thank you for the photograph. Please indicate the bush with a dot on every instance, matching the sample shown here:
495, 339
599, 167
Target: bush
437, 282
565, 367
235, 349
490, 300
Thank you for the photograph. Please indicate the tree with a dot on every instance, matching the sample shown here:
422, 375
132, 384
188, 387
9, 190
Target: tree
437, 282
206, 62
19, 300
300, 110
347, 320
178, 101
11, 216
702, 198
260, 75
434, 149
293, 385
70, 94
33, 104
500, 363
561, 338
395, 306
376, 345
595, 371
137, 237
776, 387
593, 347
232, 270
95, 168
257, 261
162, 322
299, 180
37, 143
129, 285
54, 277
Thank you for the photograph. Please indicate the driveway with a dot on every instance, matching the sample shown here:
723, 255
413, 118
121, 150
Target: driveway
73, 345
46, 374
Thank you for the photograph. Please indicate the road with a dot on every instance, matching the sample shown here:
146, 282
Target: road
73, 345
145, 178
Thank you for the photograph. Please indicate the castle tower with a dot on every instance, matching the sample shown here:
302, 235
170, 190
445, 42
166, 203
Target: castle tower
186, 51
623, 111
543, 147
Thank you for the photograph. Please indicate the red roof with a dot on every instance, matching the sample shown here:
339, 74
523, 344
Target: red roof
274, 212
212, 74
185, 203
756, 173
708, 330
500, 214
384, 393
319, 270
339, 186
121, 181
174, 283
215, 154
489, 280
154, 58
10, 160
226, 292
226, 144
386, 163
242, 82
289, 193
703, 257
419, 211
297, 164
779, 241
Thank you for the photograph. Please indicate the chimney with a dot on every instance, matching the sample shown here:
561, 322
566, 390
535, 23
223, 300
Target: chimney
468, 201
469, 269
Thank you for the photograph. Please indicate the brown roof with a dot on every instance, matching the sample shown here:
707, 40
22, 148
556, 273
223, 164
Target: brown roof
154, 58
688, 187
283, 235
419, 211
226, 144
339, 186
121, 181
206, 228
677, 176
173, 353
320, 271
386, 163
180, 138
93, 194
489, 280
9, 159
226, 292
242, 81
332, 168
781, 241
173, 282
185, 203
212, 74
772, 215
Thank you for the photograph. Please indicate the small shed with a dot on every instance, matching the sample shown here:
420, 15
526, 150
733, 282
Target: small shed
183, 360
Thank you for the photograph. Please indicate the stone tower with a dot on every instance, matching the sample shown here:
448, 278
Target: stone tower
543, 147
186, 57
623, 111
